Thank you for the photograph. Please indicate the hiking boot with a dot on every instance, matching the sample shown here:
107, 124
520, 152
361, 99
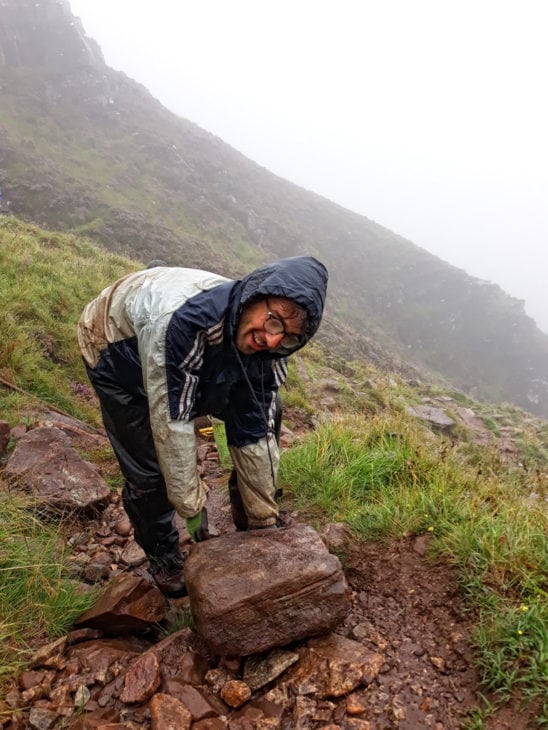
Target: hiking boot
171, 581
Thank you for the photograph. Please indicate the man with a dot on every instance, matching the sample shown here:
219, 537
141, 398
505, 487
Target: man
166, 345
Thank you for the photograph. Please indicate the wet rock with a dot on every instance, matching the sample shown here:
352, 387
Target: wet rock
235, 693
133, 555
42, 719
127, 605
336, 536
123, 527
260, 670
79, 433
177, 660
210, 723
95, 720
356, 704
259, 715
47, 654
365, 631
142, 679
27, 680
200, 703
435, 417
480, 433
100, 656
292, 588
44, 463
333, 666
168, 713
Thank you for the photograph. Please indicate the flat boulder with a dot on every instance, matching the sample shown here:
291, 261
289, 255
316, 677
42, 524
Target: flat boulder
252, 591
128, 604
45, 465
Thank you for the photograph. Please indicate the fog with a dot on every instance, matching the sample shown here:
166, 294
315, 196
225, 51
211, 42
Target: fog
429, 117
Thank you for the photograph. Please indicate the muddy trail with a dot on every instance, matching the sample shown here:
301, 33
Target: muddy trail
403, 607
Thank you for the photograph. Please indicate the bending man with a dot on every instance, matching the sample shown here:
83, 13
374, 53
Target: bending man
166, 345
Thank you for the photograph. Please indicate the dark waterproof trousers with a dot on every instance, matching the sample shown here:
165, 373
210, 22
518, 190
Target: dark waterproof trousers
127, 423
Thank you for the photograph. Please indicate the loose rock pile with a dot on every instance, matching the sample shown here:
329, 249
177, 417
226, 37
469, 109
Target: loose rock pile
398, 659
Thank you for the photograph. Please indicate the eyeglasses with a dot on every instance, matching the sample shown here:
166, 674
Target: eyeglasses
274, 325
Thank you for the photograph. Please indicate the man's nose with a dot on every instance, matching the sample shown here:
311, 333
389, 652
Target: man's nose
273, 341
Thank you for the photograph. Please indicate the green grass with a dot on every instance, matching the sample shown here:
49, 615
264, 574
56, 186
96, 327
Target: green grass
38, 602
45, 281
385, 479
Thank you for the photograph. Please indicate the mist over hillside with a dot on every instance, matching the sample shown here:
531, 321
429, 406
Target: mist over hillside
83, 148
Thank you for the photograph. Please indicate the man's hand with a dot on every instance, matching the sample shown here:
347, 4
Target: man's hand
197, 526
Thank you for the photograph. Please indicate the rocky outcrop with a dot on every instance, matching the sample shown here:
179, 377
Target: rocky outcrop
44, 34
45, 465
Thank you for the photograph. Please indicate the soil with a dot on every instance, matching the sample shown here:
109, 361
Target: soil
403, 606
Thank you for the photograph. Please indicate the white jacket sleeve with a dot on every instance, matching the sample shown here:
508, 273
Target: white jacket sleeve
174, 440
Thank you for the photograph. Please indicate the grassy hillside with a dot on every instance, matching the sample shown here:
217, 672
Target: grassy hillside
367, 462
90, 151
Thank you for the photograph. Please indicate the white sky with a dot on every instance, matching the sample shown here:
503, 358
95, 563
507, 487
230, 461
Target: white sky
428, 116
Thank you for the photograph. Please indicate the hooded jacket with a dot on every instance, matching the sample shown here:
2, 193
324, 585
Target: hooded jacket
172, 330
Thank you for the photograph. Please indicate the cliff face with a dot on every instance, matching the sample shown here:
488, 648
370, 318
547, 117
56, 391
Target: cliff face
44, 33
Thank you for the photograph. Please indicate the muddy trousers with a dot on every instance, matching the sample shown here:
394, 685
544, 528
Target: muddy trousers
239, 516
127, 423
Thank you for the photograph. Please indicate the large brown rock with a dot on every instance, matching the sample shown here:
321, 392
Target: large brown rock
45, 464
252, 591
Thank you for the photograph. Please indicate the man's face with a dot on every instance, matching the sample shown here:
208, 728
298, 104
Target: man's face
251, 336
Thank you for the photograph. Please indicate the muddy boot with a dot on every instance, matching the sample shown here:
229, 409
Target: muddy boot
170, 580
239, 516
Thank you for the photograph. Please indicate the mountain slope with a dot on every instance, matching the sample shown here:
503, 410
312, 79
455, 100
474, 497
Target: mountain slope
85, 149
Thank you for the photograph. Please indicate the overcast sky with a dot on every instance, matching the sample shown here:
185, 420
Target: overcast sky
428, 116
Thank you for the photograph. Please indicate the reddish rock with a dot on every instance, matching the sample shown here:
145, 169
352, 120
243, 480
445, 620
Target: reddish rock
80, 434
94, 720
210, 723
200, 703
44, 463
123, 527
47, 654
142, 680
27, 680
333, 666
128, 604
97, 657
235, 693
259, 715
252, 591
168, 713
18, 431
177, 660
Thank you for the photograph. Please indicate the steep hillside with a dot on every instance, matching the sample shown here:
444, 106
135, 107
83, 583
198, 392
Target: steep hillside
85, 149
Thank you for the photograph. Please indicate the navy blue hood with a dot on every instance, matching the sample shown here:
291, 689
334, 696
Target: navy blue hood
300, 278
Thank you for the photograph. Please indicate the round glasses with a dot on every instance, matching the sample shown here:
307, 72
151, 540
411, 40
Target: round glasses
274, 325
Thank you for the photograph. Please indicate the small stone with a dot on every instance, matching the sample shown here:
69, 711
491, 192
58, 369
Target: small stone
42, 719
438, 662
142, 679
82, 696
168, 713
123, 527
235, 693
355, 704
